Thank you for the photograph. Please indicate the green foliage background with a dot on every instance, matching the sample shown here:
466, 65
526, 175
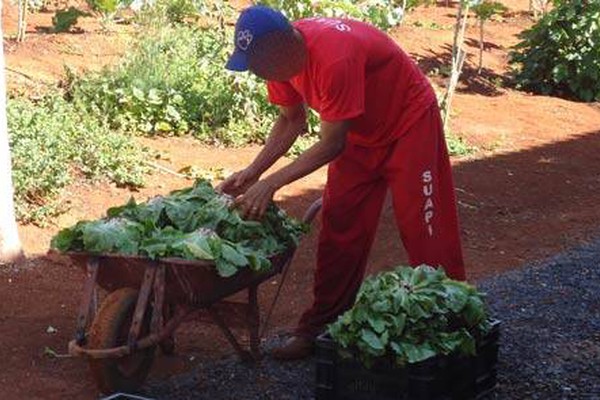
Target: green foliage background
560, 54
52, 143
171, 81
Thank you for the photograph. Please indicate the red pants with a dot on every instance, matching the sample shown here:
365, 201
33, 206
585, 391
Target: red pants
416, 168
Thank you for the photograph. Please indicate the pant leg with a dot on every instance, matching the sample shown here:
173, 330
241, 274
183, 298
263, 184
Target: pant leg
420, 177
352, 203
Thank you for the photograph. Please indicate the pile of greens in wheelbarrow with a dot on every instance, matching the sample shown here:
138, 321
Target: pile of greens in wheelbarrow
192, 223
411, 314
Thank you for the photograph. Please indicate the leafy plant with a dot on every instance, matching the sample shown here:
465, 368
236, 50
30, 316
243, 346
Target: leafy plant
457, 146
411, 314
175, 12
108, 8
384, 14
193, 223
560, 54
173, 82
64, 20
52, 141
172, 11
484, 11
178, 10
104, 6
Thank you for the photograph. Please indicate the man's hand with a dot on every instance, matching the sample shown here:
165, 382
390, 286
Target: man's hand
238, 183
289, 124
253, 204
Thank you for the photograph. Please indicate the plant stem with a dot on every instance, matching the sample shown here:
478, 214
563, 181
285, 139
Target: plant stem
481, 44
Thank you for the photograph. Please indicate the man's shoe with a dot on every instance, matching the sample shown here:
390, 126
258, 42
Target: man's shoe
295, 348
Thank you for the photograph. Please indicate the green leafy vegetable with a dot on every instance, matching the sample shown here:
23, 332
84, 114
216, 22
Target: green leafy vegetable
194, 223
411, 314
113, 235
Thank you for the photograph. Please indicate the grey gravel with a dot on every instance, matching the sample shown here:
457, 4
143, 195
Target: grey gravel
550, 346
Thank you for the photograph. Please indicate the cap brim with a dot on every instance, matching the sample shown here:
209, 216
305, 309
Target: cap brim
237, 62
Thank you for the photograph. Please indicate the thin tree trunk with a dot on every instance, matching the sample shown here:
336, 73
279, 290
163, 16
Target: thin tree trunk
10, 245
458, 59
22, 20
481, 45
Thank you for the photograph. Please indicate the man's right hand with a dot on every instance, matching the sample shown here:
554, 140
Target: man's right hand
238, 183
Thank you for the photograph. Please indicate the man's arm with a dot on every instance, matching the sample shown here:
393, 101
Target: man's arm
254, 202
332, 143
290, 123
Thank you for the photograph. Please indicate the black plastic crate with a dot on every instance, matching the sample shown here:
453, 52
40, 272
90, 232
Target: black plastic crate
440, 378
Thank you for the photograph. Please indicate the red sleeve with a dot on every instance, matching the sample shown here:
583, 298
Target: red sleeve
342, 88
283, 94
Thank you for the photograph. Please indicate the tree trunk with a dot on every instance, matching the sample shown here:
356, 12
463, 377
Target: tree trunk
22, 20
481, 45
458, 59
10, 245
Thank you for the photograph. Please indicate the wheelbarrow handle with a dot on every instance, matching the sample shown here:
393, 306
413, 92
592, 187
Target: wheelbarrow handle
312, 211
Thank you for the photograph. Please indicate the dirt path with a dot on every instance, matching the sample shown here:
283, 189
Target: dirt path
529, 192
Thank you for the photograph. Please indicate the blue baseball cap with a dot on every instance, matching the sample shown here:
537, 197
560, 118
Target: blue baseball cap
253, 23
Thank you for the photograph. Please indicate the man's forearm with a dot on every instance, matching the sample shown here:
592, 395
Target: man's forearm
328, 148
284, 133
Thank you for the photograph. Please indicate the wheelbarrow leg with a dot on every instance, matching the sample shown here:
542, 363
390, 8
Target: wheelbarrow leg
244, 354
159, 300
88, 301
141, 305
254, 321
160, 312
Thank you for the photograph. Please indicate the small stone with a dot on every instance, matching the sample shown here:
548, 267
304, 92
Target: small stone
51, 330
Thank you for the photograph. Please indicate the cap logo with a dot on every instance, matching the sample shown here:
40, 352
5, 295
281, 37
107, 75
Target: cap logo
244, 38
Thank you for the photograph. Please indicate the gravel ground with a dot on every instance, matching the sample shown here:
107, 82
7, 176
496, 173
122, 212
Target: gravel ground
550, 346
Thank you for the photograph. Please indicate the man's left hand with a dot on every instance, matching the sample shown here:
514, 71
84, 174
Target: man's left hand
253, 204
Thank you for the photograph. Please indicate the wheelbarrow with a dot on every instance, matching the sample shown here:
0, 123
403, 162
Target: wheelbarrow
148, 299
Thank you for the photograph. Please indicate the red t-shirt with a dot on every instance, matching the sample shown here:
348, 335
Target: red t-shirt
356, 72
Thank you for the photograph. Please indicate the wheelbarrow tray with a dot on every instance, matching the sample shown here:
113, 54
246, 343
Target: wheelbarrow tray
193, 282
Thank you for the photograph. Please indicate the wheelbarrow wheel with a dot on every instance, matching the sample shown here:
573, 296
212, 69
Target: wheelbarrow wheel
109, 329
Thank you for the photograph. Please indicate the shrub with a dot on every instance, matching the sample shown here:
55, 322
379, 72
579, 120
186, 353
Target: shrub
51, 142
384, 14
172, 11
64, 20
560, 54
174, 82
108, 7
